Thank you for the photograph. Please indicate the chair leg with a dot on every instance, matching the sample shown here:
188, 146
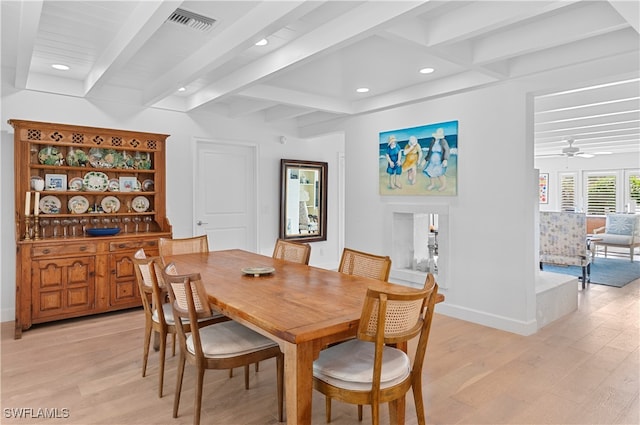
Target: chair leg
280, 385
230, 373
197, 402
375, 413
417, 398
176, 397
173, 341
246, 377
360, 412
327, 404
258, 363
145, 349
584, 277
163, 351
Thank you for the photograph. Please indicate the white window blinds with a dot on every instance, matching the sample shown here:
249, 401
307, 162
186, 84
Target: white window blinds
601, 193
568, 192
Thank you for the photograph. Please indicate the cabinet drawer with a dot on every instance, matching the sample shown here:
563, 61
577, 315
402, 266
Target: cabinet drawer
128, 245
63, 249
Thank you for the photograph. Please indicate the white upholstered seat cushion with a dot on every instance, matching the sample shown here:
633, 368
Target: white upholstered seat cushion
229, 339
349, 365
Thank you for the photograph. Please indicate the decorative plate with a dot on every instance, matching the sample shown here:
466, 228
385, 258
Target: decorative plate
110, 204
95, 181
148, 185
75, 184
78, 205
107, 231
142, 161
114, 185
77, 158
258, 271
50, 156
50, 204
140, 204
96, 156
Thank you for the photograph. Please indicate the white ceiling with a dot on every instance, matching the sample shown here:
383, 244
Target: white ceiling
319, 52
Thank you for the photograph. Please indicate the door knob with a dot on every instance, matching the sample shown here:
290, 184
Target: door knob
200, 222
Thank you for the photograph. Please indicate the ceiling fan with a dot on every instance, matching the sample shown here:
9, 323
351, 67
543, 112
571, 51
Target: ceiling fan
569, 151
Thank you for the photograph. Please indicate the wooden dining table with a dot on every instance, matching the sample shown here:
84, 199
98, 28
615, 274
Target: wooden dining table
301, 307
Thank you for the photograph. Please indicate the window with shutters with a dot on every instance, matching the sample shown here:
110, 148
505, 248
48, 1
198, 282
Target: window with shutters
600, 193
633, 189
568, 189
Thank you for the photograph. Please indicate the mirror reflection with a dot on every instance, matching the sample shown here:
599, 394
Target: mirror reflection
303, 200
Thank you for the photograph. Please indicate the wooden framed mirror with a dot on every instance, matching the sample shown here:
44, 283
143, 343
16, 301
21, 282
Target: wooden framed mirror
303, 200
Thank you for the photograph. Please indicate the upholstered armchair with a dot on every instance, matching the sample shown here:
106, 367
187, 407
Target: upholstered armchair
620, 230
563, 237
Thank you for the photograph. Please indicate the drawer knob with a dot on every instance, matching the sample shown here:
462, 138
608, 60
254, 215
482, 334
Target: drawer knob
122, 245
46, 251
83, 248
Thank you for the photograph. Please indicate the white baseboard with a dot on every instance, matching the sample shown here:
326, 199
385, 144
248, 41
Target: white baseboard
487, 319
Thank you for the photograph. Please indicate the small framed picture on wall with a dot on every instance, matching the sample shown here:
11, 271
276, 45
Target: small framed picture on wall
544, 188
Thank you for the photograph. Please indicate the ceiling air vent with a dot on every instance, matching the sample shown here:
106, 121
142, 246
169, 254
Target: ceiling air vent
191, 20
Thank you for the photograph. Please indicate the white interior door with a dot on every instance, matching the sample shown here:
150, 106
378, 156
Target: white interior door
225, 194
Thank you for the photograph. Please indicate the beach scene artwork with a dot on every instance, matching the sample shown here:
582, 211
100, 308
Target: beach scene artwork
419, 160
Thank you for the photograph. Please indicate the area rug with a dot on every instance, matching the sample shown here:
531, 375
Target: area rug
604, 271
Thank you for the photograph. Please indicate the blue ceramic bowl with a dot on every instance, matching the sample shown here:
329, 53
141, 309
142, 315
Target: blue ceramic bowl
109, 231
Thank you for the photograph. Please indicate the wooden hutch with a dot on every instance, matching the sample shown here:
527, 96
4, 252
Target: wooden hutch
95, 180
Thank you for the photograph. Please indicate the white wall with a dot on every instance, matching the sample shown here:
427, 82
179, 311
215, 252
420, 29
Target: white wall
617, 163
492, 260
183, 128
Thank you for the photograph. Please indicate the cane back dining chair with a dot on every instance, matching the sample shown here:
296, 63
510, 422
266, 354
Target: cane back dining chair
368, 369
223, 345
158, 313
364, 264
169, 246
292, 251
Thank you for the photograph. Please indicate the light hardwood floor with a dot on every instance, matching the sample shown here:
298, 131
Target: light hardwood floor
581, 369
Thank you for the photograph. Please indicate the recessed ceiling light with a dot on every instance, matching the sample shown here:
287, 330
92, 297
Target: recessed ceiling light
362, 90
426, 70
60, 67
262, 42
181, 89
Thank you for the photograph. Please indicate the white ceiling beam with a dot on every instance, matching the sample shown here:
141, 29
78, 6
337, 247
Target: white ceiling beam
482, 17
594, 48
347, 28
623, 105
580, 23
297, 98
241, 107
588, 96
30, 12
629, 10
129, 39
283, 112
265, 18
444, 86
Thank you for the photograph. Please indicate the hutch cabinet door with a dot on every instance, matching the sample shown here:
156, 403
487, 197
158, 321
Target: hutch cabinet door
123, 285
63, 286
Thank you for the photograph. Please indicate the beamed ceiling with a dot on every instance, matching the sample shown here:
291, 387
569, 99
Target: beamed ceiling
320, 52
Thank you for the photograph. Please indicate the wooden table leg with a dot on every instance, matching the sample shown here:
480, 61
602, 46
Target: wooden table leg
298, 378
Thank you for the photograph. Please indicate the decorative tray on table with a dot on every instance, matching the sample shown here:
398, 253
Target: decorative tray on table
258, 271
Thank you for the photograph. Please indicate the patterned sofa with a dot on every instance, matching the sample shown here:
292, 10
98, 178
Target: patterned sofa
620, 230
563, 241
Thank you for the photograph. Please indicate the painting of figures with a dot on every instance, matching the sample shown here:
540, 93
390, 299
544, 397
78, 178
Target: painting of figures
419, 160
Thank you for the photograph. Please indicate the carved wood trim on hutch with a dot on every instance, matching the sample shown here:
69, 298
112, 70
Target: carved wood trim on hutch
61, 272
